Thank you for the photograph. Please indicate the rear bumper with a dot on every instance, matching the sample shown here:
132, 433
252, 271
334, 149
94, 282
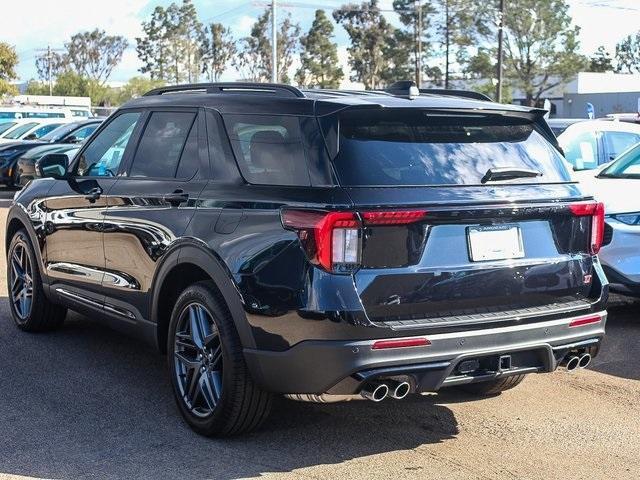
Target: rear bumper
342, 367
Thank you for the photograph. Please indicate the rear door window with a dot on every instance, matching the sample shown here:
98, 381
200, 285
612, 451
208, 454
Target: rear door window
162, 144
389, 148
269, 149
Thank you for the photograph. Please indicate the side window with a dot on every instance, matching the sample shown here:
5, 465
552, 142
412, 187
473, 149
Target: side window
103, 155
582, 151
269, 149
162, 143
44, 130
84, 132
618, 142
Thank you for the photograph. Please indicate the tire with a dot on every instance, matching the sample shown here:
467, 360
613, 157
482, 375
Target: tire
493, 387
223, 400
30, 308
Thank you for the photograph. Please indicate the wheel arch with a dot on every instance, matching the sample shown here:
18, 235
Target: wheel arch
183, 266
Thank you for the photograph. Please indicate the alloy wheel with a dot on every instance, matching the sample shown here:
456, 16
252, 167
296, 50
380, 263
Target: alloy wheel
21, 280
198, 360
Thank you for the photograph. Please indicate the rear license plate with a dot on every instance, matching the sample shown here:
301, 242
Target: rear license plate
496, 242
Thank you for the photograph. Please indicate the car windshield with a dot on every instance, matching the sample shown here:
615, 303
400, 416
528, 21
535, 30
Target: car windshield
387, 148
6, 126
21, 130
626, 166
60, 132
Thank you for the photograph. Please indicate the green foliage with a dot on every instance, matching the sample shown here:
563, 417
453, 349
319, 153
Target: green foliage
59, 63
254, 57
541, 47
8, 62
319, 57
601, 61
219, 49
628, 54
134, 88
417, 38
369, 33
171, 48
95, 54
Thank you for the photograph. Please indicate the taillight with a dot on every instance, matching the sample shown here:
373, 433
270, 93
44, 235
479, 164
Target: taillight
333, 240
330, 239
596, 211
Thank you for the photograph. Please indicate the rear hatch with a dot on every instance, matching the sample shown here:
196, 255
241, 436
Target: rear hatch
464, 217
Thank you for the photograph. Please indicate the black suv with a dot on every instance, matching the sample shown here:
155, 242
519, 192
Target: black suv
318, 244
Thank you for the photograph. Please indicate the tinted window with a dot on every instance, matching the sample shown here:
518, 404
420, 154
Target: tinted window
269, 149
103, 155
8, 115
627, 166
161, 145
6, 126
43, 115
618, 142
421, 148
39, 132
84, 132
582, 151
190, 159
21, 130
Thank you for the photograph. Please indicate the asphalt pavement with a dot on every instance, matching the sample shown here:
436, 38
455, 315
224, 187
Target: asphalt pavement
87, 402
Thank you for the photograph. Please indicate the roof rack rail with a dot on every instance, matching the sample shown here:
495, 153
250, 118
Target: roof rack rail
456, 93
276, 89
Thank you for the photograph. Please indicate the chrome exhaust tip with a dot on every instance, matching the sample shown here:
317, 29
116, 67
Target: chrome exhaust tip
376, 392
584, 361
573, 363
398, 390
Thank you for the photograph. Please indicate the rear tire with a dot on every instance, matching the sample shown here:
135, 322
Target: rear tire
211, 382
30, 308
493, 387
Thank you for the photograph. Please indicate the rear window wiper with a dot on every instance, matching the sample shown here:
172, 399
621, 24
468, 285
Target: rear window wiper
509, 173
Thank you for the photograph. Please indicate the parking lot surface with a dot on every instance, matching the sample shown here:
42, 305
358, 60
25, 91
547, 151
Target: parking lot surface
87, 402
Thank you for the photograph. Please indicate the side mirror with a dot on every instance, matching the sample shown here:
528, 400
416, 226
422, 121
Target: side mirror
53, 165
71, 139
31, 136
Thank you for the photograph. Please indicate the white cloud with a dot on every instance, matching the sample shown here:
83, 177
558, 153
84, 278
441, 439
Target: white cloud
242, 27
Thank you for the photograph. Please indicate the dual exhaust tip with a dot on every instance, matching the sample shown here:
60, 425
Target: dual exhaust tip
578, 361
378, 391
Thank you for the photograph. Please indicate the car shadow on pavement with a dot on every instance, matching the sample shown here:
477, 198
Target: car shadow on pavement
86, 401
621, 346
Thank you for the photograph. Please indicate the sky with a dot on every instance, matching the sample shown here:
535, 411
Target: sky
31, 25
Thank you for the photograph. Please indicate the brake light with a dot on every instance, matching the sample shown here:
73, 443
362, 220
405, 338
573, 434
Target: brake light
596, 211
396, 217
400, 343
332, 240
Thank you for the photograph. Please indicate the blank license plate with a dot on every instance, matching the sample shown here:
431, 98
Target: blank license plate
495, 243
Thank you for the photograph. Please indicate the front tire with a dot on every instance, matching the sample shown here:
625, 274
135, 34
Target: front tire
31, 310
212, 385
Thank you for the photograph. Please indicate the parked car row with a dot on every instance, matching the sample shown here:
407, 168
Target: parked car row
18, 155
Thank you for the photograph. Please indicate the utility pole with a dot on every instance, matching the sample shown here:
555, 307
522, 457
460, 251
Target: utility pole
49, 55
274, 43
419, 40
500, 55
448, 27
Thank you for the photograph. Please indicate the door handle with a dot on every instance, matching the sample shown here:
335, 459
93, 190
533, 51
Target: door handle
93, 194
176, 198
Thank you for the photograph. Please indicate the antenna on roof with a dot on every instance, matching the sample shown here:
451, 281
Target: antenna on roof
404, 88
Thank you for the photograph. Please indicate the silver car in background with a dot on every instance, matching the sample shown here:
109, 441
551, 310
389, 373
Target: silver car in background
617, 185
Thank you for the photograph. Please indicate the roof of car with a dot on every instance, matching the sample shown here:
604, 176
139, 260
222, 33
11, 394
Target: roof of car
600, 126
284, 99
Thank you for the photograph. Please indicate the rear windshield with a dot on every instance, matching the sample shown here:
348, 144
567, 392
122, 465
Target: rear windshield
386, 148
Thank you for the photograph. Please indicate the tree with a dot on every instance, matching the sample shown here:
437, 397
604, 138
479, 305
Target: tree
95, 54
59, 63
219, 49
171, 48
541, 47
254, 57
135, 87
369, 32
319, 57
601, 61
8, 62
416, 17
628, 54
